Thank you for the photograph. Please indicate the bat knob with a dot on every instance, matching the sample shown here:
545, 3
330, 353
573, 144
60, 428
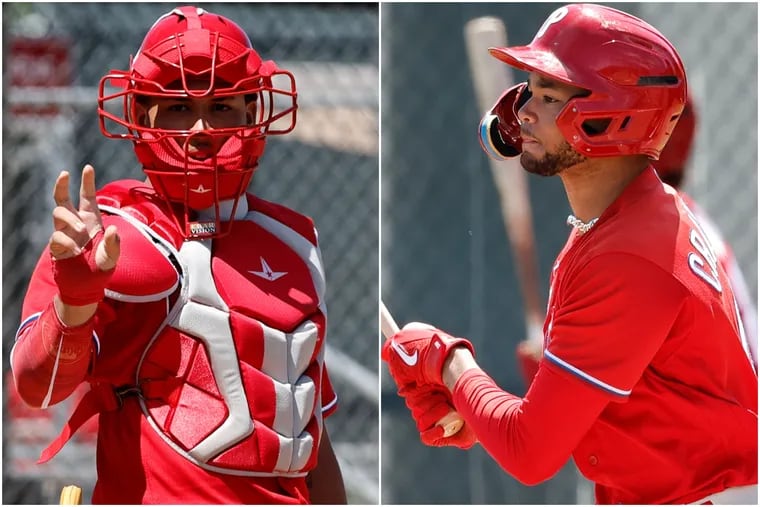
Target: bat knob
451, 423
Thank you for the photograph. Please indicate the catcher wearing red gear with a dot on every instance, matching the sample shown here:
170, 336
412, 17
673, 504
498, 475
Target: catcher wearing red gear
193, 309
646, 379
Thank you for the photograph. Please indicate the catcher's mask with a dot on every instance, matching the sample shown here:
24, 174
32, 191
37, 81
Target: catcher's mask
190, 54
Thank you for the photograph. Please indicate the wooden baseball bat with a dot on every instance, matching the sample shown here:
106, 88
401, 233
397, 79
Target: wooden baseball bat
451, 422
490, 79
71, 495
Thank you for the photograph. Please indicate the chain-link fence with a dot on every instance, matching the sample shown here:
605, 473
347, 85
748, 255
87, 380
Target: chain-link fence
445, 255
327, 168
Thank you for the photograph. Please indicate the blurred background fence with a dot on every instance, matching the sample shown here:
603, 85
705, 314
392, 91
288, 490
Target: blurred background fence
445, 255
327, 168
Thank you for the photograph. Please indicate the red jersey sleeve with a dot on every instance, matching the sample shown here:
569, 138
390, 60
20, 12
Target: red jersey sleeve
622, 309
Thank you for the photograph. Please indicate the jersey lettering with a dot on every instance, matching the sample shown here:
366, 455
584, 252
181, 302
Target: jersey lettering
704, 263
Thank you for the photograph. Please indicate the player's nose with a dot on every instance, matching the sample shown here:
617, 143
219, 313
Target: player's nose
525, 114
200, 124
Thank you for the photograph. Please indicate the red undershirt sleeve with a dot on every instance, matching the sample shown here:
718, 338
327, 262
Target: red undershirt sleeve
48, 359
532, 437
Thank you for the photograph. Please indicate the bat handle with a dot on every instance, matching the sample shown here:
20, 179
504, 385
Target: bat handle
451, 422
71, 495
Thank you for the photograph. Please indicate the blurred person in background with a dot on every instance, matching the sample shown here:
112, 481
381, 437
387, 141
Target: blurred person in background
646, 377
672, 167
193, 309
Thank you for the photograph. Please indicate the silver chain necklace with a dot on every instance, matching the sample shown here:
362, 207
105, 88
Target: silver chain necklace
582, 226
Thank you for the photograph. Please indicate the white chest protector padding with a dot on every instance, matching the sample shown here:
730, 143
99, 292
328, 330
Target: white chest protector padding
206, 317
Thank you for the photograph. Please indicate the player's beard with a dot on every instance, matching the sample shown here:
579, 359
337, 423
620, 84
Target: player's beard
552, 163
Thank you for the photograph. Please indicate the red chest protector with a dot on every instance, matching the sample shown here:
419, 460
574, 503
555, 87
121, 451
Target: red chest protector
231, 379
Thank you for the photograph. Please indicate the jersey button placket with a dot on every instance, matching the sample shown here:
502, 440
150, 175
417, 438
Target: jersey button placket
593, 460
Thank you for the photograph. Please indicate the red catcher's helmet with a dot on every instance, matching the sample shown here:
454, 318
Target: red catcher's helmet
184, 47
675, 155
634, 75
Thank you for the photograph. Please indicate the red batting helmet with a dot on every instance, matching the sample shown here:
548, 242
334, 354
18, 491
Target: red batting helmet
634, 75
183, 47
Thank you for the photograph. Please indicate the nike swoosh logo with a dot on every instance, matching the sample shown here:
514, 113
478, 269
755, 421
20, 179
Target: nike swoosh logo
409, 359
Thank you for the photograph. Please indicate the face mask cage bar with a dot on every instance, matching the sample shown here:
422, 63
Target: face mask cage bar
275, 109
121, 92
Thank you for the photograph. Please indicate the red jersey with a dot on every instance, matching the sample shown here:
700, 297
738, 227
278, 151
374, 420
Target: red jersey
216, 350
641, 310
646, 379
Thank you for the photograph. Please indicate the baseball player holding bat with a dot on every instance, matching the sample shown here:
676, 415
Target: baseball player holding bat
194, 310
646, 378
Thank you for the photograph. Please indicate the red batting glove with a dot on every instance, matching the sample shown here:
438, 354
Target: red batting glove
415, 355
428, 405
80, 281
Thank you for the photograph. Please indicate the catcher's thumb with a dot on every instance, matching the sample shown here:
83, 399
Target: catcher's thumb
111, 249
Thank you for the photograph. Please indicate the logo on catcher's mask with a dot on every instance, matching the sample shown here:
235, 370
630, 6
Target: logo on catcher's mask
203, 228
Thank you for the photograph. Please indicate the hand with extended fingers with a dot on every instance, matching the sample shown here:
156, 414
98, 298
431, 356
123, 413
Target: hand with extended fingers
84, 254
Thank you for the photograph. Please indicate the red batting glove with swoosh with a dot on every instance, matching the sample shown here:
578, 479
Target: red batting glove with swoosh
428, 404
416, 353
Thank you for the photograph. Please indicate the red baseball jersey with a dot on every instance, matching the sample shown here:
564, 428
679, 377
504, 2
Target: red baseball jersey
646, 377
641, 310
215, 349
